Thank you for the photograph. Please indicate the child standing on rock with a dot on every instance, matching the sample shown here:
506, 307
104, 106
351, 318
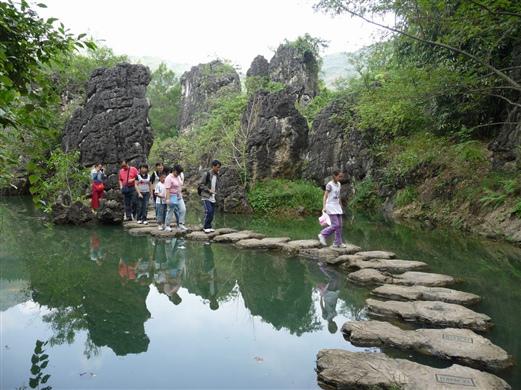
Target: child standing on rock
331, 206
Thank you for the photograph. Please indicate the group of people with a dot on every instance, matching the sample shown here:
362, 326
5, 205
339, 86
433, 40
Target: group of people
165, 187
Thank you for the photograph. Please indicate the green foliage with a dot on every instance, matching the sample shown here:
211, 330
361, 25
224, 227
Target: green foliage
405, 196
258, 83
60, 173
516, 210
164, 93
276, 195
470, 151
39, 361
309, 47
365, 194
493, 198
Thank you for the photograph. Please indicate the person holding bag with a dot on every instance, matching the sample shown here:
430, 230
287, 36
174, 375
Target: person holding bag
127, 184
331, 205
173, 186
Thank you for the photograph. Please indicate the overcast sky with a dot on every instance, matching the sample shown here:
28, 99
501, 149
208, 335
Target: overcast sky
194, 31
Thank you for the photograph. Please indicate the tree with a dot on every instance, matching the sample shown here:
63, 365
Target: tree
164, 93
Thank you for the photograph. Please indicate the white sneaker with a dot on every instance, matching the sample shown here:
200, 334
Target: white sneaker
168, 229
183, 227
160, 227
322, 240
145, 222
207, 231
339, 246
212, 230
140, 222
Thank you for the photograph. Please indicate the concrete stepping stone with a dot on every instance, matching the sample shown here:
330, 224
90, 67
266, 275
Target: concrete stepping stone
296, 245
440, 314
134, 224
201, 236
165, 234
237, 236
224, 231
328, 254
461, 345
376, 254
142, 231
354, 262
424, 293
340, 369
263, 243
410, 278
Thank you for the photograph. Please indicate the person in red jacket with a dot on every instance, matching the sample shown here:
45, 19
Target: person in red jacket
127, 185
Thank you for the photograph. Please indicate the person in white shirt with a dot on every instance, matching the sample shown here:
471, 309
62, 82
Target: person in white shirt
161, 201
331, 205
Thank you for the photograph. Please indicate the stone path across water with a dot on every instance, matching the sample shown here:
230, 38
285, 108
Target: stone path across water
461, 345
424, 293
439, 314
416, 297
339, 369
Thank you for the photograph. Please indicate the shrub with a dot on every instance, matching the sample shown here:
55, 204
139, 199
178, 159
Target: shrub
366, 194
277, 195
405, 196
516, 210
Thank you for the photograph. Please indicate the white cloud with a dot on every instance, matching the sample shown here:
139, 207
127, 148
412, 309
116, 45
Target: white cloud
193, 31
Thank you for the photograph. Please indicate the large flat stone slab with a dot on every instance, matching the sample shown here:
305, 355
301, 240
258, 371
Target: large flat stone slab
134, 224
201, 236
354, 263
263, 243
424, 293
462, 345
238, 236
441, 314
328, 254
164, 234
296, 245
339, 369
410, 278
376, 254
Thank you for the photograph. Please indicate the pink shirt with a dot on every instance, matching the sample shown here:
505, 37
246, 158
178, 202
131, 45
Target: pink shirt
173, 185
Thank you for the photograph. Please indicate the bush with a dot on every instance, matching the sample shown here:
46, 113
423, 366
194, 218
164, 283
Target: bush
366, 194
405, 196
277, 195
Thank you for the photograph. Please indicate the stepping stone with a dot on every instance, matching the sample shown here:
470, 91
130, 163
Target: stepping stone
423, 293
410, 278
339, 369
328, 254
201, 236
354, 262
224, 231
297, 245
440, 314
134, 224
376, 254
264, 243
142, 231
165, 234
237, 236
461, 345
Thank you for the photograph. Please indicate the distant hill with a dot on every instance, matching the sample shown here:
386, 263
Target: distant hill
154, 62
336, 66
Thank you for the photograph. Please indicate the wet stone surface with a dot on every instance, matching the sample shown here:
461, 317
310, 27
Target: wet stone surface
424, 293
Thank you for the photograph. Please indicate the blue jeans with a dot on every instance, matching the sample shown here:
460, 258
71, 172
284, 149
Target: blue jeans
130, 202
173, 209
209, 211
161, 213
182, 211
142, 206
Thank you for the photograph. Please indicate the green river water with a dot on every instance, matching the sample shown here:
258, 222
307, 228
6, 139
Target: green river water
122, 312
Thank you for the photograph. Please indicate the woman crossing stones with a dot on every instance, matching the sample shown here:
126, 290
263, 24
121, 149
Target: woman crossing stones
331, 205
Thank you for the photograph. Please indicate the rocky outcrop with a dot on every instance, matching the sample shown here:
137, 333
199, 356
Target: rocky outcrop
76, 213
333, 146
506, 146
423, 293
202, 84
339, 369
260, 67
232, 194
297, 69
461, 345
277, 136
434, 313
112, 124
111, 208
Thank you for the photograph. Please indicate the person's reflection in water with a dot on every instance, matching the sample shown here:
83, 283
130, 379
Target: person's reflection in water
95, 249
329, 297
171, 277
144, 269
209, 270
126, 271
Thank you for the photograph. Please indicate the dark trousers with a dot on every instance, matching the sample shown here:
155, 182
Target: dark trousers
142, 206
130, 202
209, 211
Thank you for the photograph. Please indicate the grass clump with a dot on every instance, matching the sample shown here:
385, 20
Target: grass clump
406, 196
279, 195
